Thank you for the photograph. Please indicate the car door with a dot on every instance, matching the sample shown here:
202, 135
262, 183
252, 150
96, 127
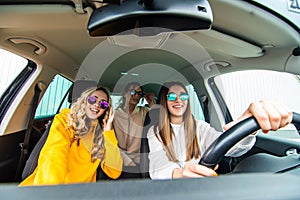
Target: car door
16, 145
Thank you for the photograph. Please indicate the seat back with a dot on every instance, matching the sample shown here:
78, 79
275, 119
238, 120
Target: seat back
32, 160
152, 118
78, 87
74, 93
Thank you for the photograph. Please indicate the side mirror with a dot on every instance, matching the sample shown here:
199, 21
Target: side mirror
161, 15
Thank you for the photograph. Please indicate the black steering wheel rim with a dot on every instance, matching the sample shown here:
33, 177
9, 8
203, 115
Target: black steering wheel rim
215, 152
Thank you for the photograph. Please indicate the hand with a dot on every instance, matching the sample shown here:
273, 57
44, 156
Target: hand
192, 170
107, 123
269, 115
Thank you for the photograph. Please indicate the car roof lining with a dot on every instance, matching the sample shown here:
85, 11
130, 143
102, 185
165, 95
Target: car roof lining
47, 35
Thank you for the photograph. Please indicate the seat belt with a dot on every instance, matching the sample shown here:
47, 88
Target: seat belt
25, 145
204, 101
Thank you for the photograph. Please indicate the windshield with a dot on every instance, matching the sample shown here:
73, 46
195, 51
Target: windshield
289, 9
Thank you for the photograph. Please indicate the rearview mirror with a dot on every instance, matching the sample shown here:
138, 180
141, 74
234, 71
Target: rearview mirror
162, 15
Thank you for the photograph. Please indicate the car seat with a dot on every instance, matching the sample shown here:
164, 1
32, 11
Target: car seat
74, 92
151, 119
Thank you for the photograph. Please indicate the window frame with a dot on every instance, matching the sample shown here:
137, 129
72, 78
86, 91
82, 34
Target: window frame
15, 87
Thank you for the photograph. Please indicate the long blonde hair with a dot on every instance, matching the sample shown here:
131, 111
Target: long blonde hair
166, 132
82, 125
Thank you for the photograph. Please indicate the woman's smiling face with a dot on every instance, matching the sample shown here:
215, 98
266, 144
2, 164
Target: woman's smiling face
177, 107
134, 98
94, 111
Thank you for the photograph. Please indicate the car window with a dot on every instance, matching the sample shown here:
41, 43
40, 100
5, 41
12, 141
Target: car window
194, 101
239, 89
10, 67
55, 97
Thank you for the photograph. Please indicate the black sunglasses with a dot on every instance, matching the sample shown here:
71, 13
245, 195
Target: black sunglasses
92, 100
133, 92
172, 96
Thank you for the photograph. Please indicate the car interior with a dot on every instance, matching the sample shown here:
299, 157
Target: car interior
111, 43
74, 92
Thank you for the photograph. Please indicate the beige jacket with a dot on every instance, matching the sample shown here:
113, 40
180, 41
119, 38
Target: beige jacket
128, 130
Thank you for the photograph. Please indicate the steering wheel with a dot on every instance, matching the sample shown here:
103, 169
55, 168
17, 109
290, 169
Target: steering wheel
215, 152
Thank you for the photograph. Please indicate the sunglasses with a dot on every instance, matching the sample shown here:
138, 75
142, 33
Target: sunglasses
172, 96
92, 100
133, 92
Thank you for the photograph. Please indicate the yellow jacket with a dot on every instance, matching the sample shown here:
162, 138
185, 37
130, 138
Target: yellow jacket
62, 161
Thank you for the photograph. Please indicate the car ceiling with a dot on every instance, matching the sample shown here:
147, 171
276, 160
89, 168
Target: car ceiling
232, 43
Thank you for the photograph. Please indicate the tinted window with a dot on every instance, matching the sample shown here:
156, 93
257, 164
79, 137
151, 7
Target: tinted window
55, 94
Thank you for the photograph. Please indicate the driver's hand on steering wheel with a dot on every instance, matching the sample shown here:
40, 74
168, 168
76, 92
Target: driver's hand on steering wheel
270, 115
192, 170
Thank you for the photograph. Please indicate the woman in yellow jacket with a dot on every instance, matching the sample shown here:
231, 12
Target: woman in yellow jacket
80, 139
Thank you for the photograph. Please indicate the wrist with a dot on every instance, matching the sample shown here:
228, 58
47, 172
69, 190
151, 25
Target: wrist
176, 173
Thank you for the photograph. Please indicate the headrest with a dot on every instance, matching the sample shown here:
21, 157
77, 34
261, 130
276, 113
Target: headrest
78, 87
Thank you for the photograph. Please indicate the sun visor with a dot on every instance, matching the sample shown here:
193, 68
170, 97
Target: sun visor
162, 15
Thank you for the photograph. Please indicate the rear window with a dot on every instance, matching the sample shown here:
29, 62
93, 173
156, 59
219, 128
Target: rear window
196, 108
